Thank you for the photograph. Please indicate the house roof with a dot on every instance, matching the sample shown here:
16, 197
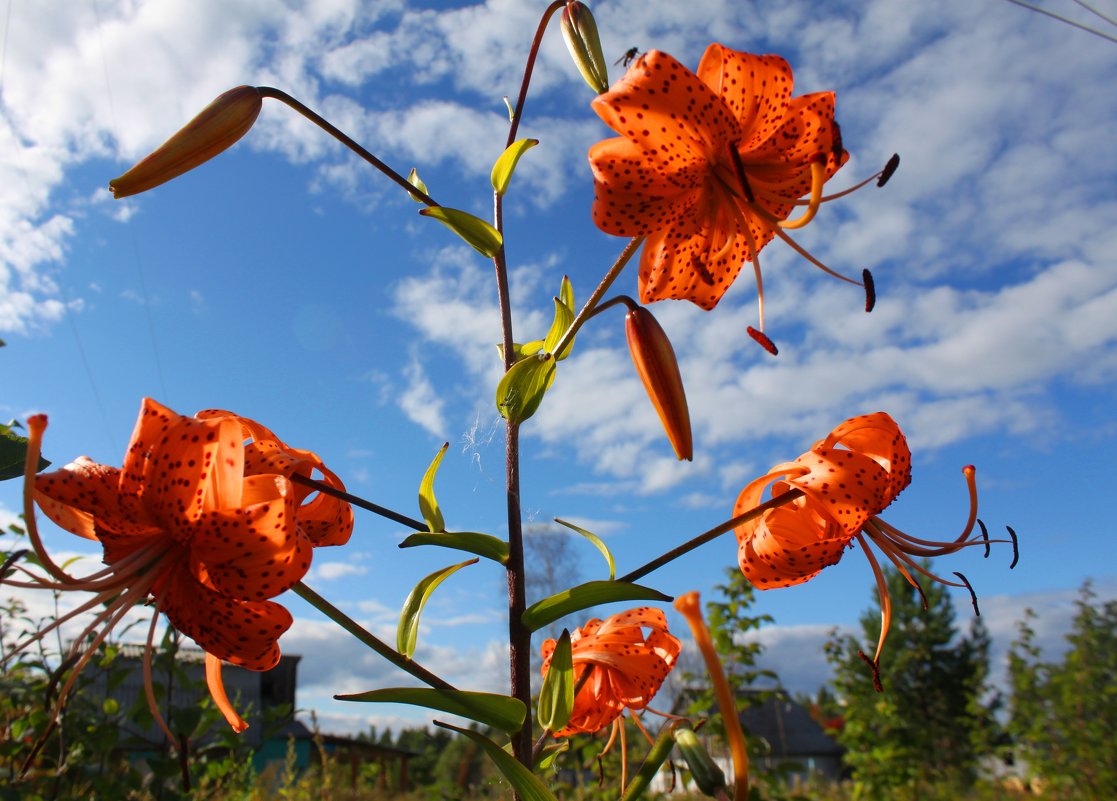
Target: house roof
789, 729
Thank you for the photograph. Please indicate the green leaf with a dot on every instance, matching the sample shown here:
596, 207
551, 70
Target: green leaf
506, 164
549, 753
499, 711
556, 699
485, 239
523, 781
584, 596
596, 540
564, 316
13, 453
417, 182
522, 387
428, 505
485, 545
562, 320
520, 351
407, 633
566, 293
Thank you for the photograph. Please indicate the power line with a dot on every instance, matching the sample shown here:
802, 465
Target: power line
1071, 22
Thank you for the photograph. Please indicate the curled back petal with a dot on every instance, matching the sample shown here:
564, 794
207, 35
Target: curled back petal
878, 437
756, 89
631, 197
849, 488
666, 110
254, 552
245, 633
84, 498
789, 545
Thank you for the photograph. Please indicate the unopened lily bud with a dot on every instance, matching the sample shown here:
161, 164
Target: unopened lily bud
707, 775
580, 32
656, 365
218, 127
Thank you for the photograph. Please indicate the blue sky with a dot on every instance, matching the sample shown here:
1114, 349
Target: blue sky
290, 283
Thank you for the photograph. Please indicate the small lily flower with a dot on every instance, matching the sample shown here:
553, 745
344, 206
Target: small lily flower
847, 479
710, 166
628, 667
658, 369
200, 526
216, 128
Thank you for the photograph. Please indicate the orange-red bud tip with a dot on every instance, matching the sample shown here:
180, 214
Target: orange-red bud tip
762, 340
216, 128
659, 371
37, 422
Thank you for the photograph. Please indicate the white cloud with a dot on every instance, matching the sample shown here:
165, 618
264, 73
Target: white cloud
421, 402
331, 571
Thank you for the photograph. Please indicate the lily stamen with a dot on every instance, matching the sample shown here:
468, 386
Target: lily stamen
818, 178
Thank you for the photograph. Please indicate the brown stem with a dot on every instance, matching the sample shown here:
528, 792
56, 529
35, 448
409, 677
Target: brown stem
518, 112
519, 636
358, 631
328, 127
712, 534
356, 500
588, 310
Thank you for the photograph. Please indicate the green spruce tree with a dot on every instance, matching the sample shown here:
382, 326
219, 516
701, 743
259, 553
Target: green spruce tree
933, 720
1064, 713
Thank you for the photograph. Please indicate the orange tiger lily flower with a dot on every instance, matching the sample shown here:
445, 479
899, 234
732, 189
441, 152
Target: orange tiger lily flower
709, 167
847, 479
628, 667
196, 523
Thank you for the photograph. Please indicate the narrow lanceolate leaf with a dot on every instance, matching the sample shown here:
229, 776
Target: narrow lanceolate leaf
657, 755
481, 236
523, 781
428, 504
522, 388
407, 634
499, 711
562, 320
506, 164
484, 545
566, 293
13, 453
417, 182
584, 596
556, 699
601, 546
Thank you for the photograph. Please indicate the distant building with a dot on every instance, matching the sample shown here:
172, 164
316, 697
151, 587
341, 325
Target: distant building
251, 692
795, 744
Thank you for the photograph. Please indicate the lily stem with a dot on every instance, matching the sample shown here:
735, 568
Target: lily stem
588, 310
376, 644
712, 534
336, 133
326, 489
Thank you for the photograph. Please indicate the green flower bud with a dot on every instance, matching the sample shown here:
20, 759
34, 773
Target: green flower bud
580, 32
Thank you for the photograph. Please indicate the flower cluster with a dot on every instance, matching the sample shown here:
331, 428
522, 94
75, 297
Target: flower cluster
709, 166
627, 666
200, 524
845, 481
